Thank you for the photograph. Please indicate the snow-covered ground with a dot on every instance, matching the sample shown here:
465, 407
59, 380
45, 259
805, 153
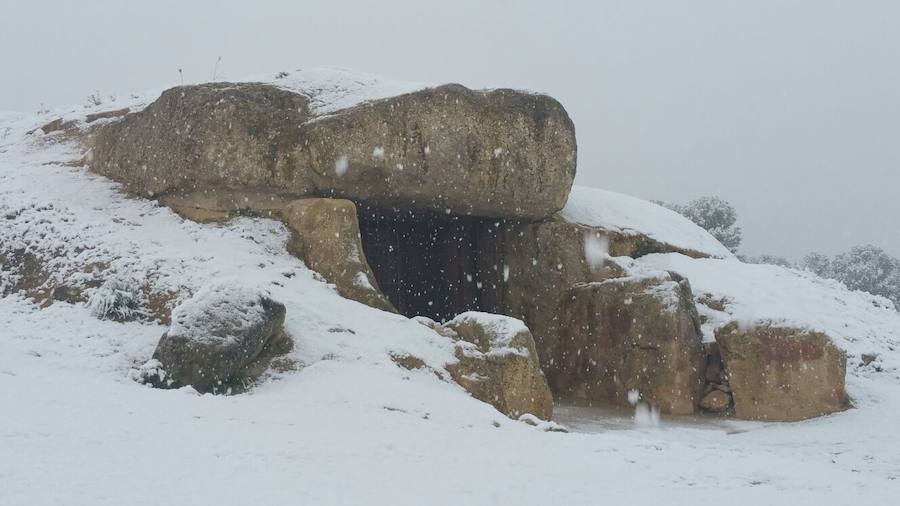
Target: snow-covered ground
630, 215
349, 427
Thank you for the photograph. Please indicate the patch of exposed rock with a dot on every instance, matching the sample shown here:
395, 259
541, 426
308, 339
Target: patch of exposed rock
325, 235
631, 334
783, 374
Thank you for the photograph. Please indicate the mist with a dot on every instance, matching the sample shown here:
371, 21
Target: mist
789, 110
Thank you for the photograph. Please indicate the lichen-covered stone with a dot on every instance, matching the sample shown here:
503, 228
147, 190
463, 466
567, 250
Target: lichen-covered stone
782, 373
497, 364
631, 334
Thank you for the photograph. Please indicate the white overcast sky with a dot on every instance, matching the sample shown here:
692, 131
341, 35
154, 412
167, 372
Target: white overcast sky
789, 109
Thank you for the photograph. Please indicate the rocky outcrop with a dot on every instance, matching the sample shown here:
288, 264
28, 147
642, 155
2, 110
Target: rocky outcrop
325, 235
498, 153
220, 340
497, 364
631, 334
782, 374
544, 260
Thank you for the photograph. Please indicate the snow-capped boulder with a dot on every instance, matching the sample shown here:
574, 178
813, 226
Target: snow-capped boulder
325, 235
498, 153
631, 334
217, 336
497, 364
782, 374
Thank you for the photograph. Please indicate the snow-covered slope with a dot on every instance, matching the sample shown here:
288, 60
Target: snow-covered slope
859, 323
329, 89
629, 215
349, 427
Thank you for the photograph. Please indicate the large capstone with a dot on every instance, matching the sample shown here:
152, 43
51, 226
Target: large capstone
499, 153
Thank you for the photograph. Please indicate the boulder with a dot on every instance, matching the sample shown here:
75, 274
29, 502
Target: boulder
499, 153
637, 333
545, 259
782, 373
497, 364
716, 401
325, 235
218, 338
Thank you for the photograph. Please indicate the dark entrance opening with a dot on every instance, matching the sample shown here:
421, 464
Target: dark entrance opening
430, 264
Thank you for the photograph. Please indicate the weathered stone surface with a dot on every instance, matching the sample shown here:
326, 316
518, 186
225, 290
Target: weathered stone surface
631, 334
542, 261
217, 337
782, 374
497, 153
716, 401
545, 259
498, 364
325, 235
217, 204
90, 118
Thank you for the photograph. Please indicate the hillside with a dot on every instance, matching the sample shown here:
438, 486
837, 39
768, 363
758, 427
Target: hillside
341, 422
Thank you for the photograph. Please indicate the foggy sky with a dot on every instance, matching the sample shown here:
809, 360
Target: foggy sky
788, 109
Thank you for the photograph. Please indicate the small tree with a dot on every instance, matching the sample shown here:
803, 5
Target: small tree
767, 259
870, 269
715, 215
817, 263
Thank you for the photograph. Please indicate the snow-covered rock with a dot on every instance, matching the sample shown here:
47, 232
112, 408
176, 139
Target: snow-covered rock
498, 364
216, 335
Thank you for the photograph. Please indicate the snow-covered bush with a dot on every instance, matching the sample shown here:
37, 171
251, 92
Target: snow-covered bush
866, 268
119, 298
817, 263
767, 259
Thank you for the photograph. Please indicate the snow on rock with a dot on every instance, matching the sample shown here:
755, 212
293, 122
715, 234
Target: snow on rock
200, 318
629, 215
859, 323
502, 330
331, 89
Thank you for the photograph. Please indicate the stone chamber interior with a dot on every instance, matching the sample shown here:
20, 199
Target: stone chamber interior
433, 265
